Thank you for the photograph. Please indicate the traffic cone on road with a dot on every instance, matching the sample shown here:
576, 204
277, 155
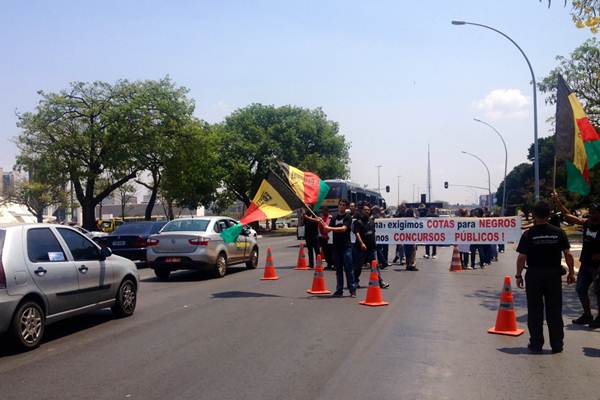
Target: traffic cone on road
374, 298
270, 273
318, 285
455, 265
506, 321
301, 264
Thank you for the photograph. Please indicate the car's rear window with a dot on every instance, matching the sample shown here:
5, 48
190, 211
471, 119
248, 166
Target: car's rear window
133, 228
186, 225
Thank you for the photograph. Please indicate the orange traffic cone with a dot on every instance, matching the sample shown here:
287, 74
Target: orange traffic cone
318, 285
270, 274
374, 291
455, 265
506, 322
301, 264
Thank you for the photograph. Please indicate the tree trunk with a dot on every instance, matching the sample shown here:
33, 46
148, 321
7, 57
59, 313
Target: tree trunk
170, 210
40, 217
89, 217
151, 203
122, 211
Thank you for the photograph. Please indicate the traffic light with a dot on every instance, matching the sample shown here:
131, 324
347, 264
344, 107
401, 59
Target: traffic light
445, 185
387, 188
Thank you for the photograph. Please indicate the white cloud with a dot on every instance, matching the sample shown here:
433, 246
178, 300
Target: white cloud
504, 103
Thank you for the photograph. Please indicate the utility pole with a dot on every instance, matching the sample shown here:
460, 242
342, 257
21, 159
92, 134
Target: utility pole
413, 193
398, 204
428, 174
379, 178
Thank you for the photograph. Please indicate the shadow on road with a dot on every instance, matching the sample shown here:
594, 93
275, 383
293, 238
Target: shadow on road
591, 352
241, 295
193, 275
64, 328
520, 350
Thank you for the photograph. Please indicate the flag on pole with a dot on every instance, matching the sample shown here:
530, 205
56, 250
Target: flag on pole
576, 140
311, 189
274, 199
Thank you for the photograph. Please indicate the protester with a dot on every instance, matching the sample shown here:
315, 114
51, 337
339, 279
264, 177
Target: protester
382, 249
431, 213
311, 236
365, 246
590, 260
324, 245
410, 250
540, 248
399, 258
477, 248
342, 250
464, 249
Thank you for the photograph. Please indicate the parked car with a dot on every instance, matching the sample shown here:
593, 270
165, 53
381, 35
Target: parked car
130, 239
52, 272
91, 234
195, 243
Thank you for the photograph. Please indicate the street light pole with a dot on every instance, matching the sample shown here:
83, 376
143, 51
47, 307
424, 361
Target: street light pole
536, 163
379, 178
505, 164
488, 174
398, 176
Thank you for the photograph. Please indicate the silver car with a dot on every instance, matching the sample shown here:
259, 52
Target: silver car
195, 243
51, 272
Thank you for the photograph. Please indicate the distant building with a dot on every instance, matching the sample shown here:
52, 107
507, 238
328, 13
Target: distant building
8, 182
483, 200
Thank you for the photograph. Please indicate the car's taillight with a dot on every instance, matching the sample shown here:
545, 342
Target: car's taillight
140, 242
152, 242
199, 241
2, 275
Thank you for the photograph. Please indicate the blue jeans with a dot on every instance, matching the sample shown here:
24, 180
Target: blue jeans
342, 258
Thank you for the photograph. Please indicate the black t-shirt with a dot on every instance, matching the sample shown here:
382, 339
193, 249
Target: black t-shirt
311, 229
341, 240
591, 244
365, 227
543, 245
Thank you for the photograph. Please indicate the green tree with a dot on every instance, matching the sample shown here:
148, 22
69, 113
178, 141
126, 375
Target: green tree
94, 130
582, 73
254, 138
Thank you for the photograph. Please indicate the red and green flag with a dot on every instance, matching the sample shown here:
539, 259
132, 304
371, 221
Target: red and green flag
274, 199
311, 189
576, 140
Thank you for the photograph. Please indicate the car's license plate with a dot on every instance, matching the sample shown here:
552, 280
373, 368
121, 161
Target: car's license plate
172, 259
119, 243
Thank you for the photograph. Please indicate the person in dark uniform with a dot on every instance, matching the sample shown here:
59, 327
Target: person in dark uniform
311, 236
365, 248
540, 248
590, 260
342, 249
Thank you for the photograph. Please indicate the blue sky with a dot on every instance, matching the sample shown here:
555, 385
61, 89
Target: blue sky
396, 75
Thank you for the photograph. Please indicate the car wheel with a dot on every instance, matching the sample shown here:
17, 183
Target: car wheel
126, 299
28, 325
253, 261
220, 266
162, 274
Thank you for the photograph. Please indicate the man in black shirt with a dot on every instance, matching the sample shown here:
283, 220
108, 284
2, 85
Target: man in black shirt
342, 249
541, 247
590, 260
311, 235
365, 246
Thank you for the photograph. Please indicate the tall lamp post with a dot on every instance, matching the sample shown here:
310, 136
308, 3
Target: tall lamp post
505, 163
536, 163
379, 178
398, 176
488, 174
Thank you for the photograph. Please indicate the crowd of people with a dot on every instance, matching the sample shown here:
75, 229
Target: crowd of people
347, 241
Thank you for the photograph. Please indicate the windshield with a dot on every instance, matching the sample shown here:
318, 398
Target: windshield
134, 229
335, 190
187, 225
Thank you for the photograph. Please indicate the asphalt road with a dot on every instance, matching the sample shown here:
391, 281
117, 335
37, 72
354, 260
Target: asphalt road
241, 338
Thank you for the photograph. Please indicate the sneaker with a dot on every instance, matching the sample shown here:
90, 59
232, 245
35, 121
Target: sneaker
434, 257
402, 262
583, 320
395, 260
412, 268
595, 324
425, 255
337, 294
384, 285
534, 349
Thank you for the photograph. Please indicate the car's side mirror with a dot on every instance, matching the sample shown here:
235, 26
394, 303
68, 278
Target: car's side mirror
245, 231
105, 252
